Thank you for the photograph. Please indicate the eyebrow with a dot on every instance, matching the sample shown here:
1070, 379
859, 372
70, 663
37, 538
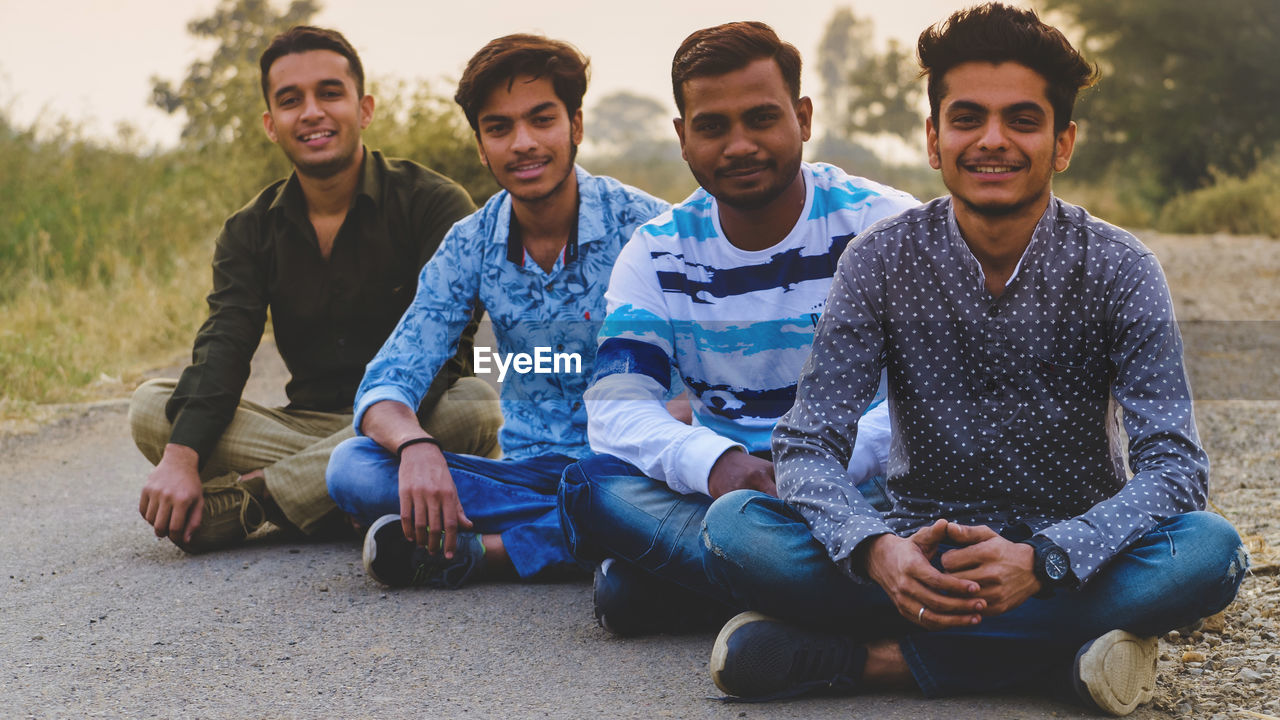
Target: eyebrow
971, 106
327, 82
535, 110
763, 107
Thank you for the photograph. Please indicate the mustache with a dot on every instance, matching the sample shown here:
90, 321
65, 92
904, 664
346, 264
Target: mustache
745, 164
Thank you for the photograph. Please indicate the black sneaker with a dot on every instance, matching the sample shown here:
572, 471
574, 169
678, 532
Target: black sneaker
629, 601
1116, 672
393, 560
758, 658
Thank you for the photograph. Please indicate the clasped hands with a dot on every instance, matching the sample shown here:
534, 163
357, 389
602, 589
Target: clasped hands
984, 576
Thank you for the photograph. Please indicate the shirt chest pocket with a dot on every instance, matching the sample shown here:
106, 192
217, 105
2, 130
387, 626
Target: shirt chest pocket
1064, 389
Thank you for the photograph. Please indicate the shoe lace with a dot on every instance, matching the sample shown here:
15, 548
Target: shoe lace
437, 572
219, 500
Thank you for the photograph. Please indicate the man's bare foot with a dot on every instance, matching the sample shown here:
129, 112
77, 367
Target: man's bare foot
886, 667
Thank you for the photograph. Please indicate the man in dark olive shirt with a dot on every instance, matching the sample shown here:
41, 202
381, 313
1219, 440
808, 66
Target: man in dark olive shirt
333, 252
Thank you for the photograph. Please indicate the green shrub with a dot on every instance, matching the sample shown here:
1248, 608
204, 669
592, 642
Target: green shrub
1243, 206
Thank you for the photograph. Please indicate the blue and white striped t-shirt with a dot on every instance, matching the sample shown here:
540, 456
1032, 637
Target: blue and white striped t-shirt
734, 325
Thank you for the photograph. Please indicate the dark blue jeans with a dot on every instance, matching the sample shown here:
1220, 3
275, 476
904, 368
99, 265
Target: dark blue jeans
761, 553
610, 509
512, 498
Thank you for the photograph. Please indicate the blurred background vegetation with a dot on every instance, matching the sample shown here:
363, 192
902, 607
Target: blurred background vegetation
105, 246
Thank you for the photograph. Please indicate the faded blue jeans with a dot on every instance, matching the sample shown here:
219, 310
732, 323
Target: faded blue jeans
761, 553
512, 498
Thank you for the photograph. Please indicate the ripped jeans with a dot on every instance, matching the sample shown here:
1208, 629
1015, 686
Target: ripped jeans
760, 552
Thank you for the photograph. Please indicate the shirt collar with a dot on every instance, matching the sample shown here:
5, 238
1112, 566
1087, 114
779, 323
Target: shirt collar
289, 198
587, 224
1039, 238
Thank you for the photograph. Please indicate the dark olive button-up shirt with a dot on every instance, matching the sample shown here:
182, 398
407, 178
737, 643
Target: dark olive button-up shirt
329, 316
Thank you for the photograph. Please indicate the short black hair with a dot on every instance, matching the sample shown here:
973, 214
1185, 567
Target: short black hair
732, 46
997, 33
502, 59
304, 38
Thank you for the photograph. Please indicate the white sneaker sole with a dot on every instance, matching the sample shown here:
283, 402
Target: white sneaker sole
1119, 671
720, 650
371, 548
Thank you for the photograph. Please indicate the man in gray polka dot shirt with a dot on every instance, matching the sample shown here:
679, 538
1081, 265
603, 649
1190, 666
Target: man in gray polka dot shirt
1011, 324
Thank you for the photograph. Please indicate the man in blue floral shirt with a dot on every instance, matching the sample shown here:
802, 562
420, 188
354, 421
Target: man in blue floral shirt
537, 257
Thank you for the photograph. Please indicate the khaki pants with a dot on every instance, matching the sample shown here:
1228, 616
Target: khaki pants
292, 446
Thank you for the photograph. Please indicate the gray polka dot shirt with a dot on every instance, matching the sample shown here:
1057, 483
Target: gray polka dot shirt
1001, 407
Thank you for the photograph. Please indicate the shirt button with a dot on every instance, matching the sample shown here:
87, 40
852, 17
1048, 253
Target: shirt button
993, 311
549, 286
342, 342
577, 405
992, 385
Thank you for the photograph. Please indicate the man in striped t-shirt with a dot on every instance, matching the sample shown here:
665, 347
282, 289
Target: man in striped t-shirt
720, 297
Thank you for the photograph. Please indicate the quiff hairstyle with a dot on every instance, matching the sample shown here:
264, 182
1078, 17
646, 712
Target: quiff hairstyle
304, 38
505, 58
997, 33
732, 46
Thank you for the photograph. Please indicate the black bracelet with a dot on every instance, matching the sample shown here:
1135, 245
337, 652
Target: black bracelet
416, 441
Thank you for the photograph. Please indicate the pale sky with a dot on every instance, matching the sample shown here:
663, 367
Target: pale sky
91, 60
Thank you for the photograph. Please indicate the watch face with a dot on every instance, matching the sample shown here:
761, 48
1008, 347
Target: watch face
1056, 564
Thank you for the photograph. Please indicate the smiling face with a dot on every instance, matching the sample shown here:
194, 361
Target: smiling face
314, 112
527, 139
994, 140
743, 135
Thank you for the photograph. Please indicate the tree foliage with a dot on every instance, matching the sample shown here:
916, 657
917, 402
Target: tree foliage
631, 139
221, 96
1187, 90
623, 118
866, 91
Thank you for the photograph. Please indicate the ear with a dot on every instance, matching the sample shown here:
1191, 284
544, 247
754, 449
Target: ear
1063, 145
269, 124
931, 143
366, 111
804, 114
575, 127
679, 125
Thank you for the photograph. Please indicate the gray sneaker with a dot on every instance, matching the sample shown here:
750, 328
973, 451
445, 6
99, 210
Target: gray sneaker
1116, 672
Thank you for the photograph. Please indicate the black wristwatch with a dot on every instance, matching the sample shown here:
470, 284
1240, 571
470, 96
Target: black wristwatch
1050, 564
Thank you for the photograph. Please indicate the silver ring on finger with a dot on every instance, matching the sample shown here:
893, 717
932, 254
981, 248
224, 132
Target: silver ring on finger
920, 617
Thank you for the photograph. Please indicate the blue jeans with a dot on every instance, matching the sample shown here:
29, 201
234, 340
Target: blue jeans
762, 554
512, 498
610, 509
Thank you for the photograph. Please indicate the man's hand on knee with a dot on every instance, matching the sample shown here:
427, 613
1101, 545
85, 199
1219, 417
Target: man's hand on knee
927, 597
737, 470
172, 500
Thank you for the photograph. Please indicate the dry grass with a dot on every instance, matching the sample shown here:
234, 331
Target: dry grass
69, 342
